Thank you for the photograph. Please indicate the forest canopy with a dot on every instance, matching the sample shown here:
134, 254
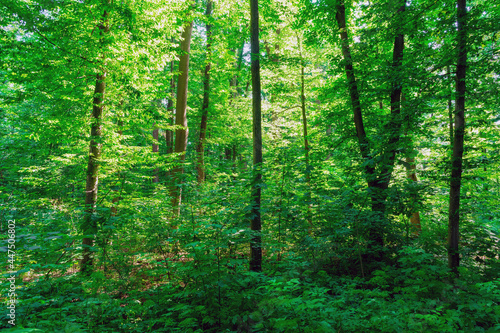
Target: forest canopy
250, 166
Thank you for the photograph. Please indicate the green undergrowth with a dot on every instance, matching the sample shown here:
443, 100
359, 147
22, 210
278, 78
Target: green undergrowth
414, 294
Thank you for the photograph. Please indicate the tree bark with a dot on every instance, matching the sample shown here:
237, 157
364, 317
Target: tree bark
394, 125
200, 166
379, 193
155, 149
234, 83
306, 140
169, 134
415, 215
458, 139
450, 109
354, 94
117, 198
304, 124
256, 223
89, 226
411, 167
181, 133
377, 184
375, 233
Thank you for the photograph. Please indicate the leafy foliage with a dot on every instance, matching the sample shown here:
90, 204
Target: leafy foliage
319, 272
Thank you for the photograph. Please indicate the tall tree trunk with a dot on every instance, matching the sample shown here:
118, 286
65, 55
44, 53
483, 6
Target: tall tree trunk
234, 87
234, 80
181, 133
354, 94
415, 215
411, 167
200, 166
89, 226
169, 134
377, 185
394, 125
306, 140
458, 139
450, 109
234, 153
379, 192
376, 234
117, 198
256, 223
156, 177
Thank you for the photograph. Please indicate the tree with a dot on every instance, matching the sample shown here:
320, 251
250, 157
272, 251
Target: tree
256, 223
415, 214
89, 226
304, 131
155, 149
181, 133
169, 134
378, 182
458, 139
206, 98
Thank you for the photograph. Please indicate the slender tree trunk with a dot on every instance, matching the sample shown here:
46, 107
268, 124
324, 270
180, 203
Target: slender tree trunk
156, 177
227, 153
376, 234
256, 223
394, 127
306, 140
379, 192
377, 185
169, 134
89, 226
234, 81
234, 85
458, 139
304, 125
181, 133
200, 166
450, 109
411, 167
415, 215
354, 94
117, 198
234, 153
114, 208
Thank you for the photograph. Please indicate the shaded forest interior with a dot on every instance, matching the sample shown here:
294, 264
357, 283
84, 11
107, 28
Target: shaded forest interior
250, 166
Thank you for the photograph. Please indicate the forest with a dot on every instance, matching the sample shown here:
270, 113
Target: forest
250, 166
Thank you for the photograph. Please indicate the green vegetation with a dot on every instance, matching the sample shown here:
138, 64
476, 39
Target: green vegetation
250, 166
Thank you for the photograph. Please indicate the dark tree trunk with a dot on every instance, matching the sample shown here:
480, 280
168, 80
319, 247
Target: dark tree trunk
181, 133
450, 109
234, 83
200, 166
234, 152
458, 139
116, 199
354, 94
256, 241
393, 128
227, 153
169, 134
306, 140
377, 185
156, 177
394, 125
411, 168
415, 215
375, 232
89, 226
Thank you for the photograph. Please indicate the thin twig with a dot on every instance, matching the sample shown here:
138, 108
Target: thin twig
60, 48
